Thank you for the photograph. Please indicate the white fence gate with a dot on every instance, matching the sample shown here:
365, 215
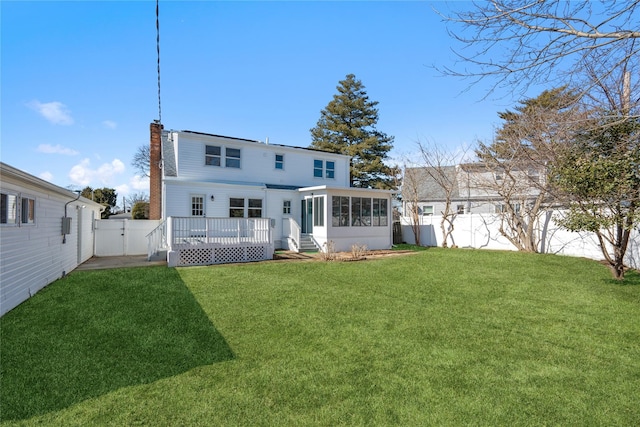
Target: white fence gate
119, 237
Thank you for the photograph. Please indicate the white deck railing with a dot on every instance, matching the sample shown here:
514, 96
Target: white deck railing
291, 230
222, 231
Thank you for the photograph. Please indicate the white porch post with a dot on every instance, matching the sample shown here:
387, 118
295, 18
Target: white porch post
172, 255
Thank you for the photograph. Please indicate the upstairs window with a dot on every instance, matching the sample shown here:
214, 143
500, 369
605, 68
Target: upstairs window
324, 169
280, 161
212, 155
330, 171
317, 169
427, 210
232, 159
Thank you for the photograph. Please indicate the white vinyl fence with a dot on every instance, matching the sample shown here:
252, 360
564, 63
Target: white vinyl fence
119, 237
481, 231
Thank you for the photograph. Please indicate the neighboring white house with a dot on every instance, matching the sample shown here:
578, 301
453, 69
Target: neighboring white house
477, 197
305, 193
46, 231
472, 187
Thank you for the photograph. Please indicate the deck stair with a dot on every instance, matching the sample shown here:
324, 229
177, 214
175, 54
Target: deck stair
307, 244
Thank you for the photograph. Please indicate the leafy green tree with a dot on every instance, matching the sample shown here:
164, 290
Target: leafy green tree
600, 176
348, 126
140, 210
105, 196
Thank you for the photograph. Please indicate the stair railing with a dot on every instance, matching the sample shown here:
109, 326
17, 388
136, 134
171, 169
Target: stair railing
291, 230
157, 239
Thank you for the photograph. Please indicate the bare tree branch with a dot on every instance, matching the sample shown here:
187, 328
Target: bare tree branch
541, 41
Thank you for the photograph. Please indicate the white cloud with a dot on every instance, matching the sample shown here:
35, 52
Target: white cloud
47, 176
136, 185
109, 124
140, 183
83, 174
122, 191
55, 112
56, 149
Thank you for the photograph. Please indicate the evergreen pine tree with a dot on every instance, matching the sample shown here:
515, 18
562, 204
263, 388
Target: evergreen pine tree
348, 126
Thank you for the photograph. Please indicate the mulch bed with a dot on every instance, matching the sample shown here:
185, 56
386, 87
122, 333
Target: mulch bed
339, 256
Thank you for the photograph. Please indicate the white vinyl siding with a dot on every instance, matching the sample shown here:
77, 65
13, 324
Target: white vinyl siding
33, 255
257, 162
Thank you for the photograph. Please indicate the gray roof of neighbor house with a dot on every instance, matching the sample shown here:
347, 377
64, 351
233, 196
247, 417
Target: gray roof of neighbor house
426, 186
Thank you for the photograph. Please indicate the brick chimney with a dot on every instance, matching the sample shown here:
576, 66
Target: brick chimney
155, 172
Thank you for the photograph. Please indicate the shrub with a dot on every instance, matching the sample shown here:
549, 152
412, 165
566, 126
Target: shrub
140, 210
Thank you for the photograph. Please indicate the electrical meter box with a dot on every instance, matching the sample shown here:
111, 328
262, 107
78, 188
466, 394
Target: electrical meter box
66, 225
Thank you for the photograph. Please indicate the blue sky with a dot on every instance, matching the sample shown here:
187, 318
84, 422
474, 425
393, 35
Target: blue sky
79, 82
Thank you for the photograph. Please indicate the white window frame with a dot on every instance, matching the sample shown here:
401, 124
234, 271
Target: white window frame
237, 207
27, 210
229, 161
10, 213
380, 212
427, 210
286, 207
213, 157
248, 208
251, 210
316, 168
318, 211
330, 173
193, 208
340, 211
279, 162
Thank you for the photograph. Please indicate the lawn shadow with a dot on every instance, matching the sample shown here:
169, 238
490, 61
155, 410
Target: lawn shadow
97, 331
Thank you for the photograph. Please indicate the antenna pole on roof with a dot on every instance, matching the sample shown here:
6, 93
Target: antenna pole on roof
158, 49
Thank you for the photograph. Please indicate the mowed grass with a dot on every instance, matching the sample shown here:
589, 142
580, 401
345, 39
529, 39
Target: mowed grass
440, 337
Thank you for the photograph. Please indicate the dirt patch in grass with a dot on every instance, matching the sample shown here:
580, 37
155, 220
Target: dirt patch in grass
338, 256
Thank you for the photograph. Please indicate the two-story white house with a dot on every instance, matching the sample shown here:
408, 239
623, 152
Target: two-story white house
303, 196
470, 188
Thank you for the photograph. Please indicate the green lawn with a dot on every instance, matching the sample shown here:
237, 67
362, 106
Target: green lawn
440, 337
